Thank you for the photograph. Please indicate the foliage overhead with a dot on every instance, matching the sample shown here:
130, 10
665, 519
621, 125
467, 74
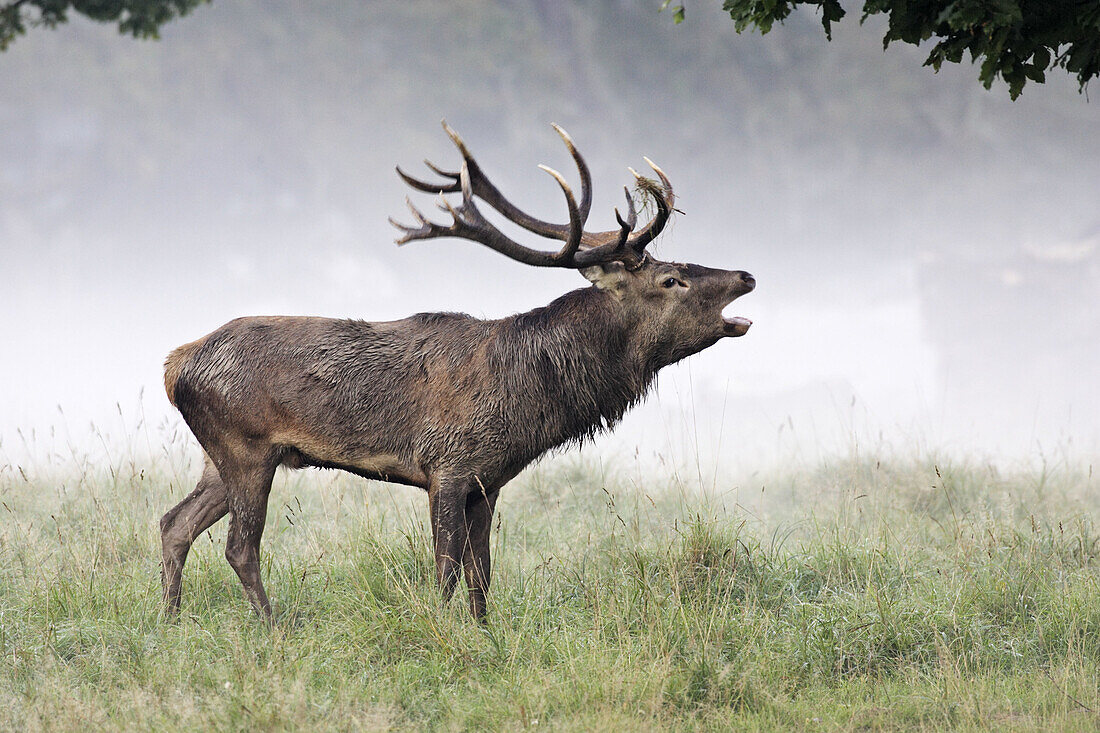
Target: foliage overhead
1016, 40
139, 18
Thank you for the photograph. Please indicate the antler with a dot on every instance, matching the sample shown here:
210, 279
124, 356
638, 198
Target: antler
581, 248
484, 189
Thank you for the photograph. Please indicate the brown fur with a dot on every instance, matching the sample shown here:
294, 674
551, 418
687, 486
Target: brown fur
443, 401
174, 364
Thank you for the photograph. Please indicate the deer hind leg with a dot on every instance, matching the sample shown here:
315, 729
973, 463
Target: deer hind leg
182, 524
248, 483
475, 555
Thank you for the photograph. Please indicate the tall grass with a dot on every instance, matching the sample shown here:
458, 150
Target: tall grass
858, 594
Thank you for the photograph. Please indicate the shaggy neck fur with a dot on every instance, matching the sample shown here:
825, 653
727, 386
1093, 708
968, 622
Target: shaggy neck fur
581, 352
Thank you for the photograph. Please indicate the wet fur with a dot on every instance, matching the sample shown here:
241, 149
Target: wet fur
434, 391
443, 401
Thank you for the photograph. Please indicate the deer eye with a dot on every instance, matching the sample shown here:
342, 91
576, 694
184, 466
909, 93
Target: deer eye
669, 282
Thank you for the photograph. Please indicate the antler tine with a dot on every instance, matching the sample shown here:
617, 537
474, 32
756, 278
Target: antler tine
663, 197
582, 168
453, 186
425, 186
466, 219
576, 223
447, 207
458, 141
439, 171
415, 212
664, 179
626, 227
411, 233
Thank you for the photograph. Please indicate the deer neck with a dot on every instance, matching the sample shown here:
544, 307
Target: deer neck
573, 367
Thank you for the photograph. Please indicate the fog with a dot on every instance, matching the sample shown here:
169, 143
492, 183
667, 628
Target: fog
927, 252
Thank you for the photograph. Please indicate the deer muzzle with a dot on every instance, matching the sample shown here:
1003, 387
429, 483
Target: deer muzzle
738, 325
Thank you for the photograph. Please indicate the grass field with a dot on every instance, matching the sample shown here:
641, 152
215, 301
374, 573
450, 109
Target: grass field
857, 595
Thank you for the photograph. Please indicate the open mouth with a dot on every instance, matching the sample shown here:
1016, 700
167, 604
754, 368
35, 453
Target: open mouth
738, 325
735, 325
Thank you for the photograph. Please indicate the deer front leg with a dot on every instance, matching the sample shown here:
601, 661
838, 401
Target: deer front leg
447, 506
248, 484
475, 556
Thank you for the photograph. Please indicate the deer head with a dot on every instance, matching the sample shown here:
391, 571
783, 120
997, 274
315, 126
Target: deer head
670, 309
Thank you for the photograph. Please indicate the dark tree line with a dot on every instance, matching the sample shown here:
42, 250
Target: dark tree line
138, 18
1016, 40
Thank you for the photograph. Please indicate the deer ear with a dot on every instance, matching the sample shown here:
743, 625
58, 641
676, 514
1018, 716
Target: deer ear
608, 276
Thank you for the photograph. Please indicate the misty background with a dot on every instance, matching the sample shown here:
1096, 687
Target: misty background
927, 252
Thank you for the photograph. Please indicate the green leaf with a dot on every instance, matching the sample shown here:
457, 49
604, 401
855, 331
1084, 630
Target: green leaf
1041, 58
1015, 41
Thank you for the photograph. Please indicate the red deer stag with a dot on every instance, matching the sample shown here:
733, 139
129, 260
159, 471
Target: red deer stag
453, 404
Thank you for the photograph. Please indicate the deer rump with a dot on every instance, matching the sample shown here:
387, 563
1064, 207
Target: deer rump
450, 403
